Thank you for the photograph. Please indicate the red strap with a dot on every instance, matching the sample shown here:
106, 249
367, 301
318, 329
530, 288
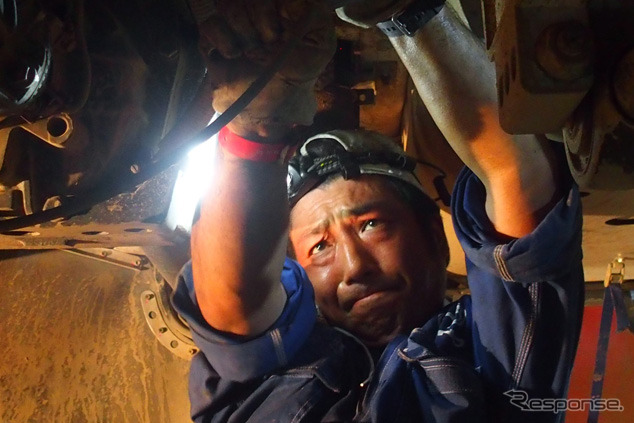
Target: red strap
250, 150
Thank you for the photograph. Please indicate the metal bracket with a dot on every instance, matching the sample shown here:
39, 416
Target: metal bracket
112, 256
615, 272
622, 299
54, 130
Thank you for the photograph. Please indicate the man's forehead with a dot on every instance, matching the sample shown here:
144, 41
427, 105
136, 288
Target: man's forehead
308, 227
341, 199
365, 185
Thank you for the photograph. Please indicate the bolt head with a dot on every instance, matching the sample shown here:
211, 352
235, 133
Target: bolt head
564, 51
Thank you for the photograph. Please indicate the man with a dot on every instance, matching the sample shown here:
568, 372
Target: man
371, 247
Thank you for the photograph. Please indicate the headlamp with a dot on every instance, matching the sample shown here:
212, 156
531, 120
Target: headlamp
349, 154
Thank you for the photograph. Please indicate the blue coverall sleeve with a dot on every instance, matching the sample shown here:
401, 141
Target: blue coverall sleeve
241, 359
527, 298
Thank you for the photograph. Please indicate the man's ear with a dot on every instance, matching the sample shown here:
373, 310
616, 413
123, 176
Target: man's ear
437, 231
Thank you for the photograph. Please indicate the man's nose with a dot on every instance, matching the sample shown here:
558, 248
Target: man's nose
356, 259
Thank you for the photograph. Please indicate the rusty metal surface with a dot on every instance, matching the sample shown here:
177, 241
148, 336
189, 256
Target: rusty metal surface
602, 155
76, 347
599, 135
543, 60
129, 219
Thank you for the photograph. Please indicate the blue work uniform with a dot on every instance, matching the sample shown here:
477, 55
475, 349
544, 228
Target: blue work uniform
516, 333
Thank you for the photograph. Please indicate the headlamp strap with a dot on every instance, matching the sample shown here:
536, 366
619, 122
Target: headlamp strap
347, 164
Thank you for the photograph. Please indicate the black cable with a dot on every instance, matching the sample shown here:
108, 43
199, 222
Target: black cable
247, 97
75, 205
439, 183
433, 166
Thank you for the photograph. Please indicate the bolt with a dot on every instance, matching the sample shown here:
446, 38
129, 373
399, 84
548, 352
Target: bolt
572, 40
162, 330
149, 297
564, 51
135, 168
138, 262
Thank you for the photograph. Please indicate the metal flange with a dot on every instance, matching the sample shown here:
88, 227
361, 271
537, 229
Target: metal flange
176, 341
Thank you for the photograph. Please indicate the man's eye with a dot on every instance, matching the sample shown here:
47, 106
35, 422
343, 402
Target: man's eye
319, 247
370, 224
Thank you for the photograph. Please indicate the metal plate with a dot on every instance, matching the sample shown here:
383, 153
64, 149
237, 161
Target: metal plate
155, 318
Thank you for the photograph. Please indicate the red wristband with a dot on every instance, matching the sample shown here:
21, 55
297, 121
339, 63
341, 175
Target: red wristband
251, 150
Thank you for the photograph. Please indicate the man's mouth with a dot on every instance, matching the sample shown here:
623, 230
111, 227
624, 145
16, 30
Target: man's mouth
363, 298
377, 301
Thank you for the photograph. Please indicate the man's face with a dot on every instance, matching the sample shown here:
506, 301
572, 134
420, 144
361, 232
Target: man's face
374, 268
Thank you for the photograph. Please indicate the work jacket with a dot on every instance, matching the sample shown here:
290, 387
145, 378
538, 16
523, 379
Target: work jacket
514, 336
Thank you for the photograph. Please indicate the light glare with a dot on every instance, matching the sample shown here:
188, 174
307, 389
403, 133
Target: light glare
192, 182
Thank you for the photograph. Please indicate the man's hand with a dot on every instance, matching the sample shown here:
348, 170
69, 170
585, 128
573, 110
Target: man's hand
244, 37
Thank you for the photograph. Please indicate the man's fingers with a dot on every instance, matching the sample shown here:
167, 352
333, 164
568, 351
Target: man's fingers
265, 18
218, 35
237, 17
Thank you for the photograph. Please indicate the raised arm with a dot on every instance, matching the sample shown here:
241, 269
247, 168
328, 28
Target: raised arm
517, 288
456, 81
238, 246
239, 242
